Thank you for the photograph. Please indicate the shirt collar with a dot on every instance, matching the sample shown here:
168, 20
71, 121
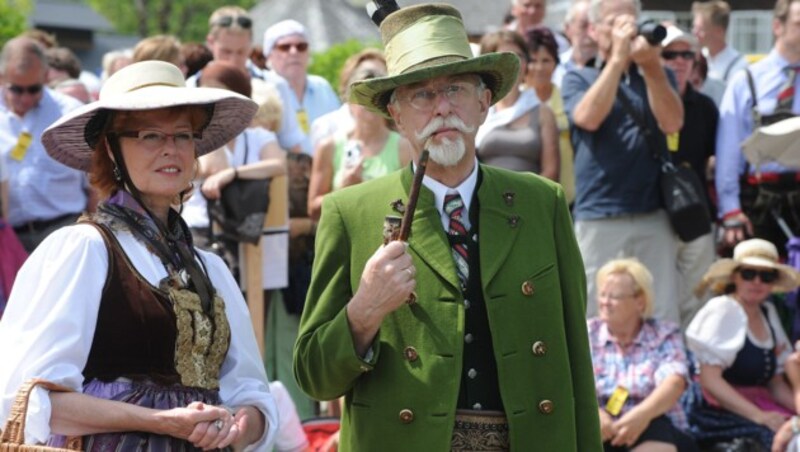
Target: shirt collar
466, 189
645, 333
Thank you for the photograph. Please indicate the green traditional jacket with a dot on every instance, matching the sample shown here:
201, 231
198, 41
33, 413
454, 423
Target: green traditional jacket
535, 292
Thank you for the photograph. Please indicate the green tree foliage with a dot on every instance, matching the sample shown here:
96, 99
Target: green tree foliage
13, 18
329, 63
185, 19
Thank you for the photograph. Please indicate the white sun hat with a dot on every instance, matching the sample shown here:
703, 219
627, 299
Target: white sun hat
147, 85
752, 253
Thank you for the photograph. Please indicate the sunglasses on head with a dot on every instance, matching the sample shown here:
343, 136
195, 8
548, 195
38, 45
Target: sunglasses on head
671, 54
767, 276
227, 21
300, 46
30, 89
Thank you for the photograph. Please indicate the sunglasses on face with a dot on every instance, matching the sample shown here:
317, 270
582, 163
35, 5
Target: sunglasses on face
671, 55
30, 89
767, 276
300, 47
227, 21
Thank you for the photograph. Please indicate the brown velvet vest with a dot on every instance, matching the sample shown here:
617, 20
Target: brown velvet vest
138, 332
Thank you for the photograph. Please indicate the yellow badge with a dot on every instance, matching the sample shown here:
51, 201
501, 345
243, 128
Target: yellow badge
302, 119
21, 148
672, 141
617, 401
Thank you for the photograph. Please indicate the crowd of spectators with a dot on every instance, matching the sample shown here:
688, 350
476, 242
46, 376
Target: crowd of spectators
591, 107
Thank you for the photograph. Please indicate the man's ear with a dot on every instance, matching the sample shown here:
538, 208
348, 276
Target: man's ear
394, 112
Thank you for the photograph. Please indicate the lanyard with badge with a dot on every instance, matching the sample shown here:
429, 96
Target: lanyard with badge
21, 148
25, 138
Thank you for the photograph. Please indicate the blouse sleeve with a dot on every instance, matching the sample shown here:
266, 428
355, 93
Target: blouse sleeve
717, 332
48, 326
243, 380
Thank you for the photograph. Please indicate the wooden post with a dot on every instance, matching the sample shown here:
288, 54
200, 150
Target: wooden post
277, 217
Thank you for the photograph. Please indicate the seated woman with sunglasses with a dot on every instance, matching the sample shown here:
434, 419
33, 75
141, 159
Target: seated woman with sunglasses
150, 333
746, 388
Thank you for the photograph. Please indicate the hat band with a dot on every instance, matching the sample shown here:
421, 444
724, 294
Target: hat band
430, 37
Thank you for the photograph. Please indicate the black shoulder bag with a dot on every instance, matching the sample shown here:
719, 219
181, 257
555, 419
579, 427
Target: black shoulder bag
681, 191
242, 208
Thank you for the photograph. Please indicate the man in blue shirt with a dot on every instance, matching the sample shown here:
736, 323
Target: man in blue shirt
287, 50
43, 194
747, 194
617, 206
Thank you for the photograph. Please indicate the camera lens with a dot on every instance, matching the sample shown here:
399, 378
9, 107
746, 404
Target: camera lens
653, 32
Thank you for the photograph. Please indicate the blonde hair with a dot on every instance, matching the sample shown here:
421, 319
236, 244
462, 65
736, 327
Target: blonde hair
641, 276
160, 47
270, 107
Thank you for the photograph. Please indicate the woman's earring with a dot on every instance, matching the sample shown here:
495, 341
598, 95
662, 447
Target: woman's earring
116, 173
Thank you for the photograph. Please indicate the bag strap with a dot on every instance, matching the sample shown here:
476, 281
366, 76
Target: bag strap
14, 431
730, 66
754, 113
666, 160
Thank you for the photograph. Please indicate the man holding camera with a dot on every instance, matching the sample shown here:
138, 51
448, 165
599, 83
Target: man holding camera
617, 207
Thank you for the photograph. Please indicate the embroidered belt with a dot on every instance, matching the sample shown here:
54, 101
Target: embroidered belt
480, 431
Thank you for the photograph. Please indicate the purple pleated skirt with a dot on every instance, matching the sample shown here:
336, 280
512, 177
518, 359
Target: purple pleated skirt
148, 395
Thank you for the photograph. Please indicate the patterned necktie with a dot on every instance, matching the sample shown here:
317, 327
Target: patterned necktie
786, 93
454, 208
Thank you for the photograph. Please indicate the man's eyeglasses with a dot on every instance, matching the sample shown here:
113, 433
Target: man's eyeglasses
767, 276
300, 46
153, 140
671, 55
30, 89
227, 21
457, 93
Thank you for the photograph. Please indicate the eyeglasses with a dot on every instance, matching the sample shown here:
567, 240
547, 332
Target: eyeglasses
671, 55
767, 276
30, 89
227, 21
616, 297
300, 47
153, 140
457, 94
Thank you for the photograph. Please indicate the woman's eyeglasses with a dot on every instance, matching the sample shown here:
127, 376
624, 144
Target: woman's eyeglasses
767, 276
671, 55
153, 140
227, 21
30, 89
300, 46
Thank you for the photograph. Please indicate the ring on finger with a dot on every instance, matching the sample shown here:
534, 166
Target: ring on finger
219, 423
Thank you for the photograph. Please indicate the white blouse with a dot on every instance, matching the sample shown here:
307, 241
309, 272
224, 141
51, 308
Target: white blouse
48, 327
718, 330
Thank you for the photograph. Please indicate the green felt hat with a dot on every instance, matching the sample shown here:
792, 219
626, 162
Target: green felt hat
426, 41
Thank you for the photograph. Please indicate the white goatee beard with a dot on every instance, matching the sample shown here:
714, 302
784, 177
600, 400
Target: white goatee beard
448, 152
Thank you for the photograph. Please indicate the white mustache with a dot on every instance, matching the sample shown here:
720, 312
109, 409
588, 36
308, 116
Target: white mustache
452, 121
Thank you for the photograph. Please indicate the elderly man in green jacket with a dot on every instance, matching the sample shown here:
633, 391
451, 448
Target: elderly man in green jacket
493, 354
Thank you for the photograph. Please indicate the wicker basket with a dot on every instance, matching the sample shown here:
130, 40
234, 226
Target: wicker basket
13, 435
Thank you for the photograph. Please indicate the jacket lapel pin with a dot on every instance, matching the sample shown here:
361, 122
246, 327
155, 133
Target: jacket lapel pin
397, 206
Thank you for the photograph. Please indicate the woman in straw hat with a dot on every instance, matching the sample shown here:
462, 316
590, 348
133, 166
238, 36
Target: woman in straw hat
748, 386
152, 334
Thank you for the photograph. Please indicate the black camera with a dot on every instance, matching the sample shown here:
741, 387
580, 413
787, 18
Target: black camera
652, 31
